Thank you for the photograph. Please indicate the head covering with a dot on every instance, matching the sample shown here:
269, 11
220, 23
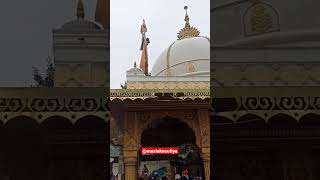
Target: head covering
185, 172
177, 176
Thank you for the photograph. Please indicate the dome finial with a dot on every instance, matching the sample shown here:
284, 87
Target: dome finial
80, 10
187, 31
186, 18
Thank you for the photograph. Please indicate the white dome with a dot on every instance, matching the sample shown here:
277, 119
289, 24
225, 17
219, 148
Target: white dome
185, 57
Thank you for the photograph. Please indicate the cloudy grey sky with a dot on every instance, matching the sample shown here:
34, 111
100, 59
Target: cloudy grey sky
164, 19
26, 32
25, 35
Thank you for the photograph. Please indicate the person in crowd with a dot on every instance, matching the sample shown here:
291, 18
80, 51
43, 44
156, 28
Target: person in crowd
185, 174
164, 178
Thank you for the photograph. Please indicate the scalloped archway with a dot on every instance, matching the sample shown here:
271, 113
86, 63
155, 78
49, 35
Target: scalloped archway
171, 132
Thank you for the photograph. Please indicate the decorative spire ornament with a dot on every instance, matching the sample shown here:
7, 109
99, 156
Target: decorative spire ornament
188, 31
143, 28
80, 10
144, 49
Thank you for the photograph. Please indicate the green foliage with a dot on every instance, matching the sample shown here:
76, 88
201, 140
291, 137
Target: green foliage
47, 79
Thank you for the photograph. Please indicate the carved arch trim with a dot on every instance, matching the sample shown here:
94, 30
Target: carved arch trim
145, 119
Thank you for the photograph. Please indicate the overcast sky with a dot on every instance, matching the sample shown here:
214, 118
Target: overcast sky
26, 34
164, 19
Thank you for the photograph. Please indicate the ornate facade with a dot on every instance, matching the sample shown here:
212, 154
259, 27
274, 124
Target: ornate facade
61, 132
176, 92
54, 133
265, 115
140, 109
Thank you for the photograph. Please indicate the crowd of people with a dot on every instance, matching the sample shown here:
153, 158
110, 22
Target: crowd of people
184, 175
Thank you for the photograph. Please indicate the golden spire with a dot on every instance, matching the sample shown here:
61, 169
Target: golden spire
187, 31
80, 10
103, 13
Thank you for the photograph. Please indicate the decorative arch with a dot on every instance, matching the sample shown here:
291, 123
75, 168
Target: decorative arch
146, 118
282, 120
250, 120
217, 121
21, 122
25, 147
260, 18
56, 122
169, 122
91, 122
310, 120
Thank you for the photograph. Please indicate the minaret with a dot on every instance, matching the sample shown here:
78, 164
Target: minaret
103, 13
144, 49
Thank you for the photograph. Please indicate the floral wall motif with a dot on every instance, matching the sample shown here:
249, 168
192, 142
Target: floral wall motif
260, 18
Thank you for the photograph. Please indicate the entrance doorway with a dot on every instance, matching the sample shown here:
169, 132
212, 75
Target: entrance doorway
170, 132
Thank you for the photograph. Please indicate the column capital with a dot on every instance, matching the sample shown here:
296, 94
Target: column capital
130, 154
205, 153
130, 162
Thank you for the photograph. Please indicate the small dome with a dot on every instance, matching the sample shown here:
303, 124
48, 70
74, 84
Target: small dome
135, 72
81, 25
185, 57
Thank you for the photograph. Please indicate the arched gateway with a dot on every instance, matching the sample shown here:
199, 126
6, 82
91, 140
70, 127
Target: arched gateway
164, 119
173, 97
170, 132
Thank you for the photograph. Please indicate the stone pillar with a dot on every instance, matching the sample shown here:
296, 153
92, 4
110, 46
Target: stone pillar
206, 162
203, 139
130, 163
130, 147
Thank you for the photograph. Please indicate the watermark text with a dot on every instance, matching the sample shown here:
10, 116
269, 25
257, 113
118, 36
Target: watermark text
159, 150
